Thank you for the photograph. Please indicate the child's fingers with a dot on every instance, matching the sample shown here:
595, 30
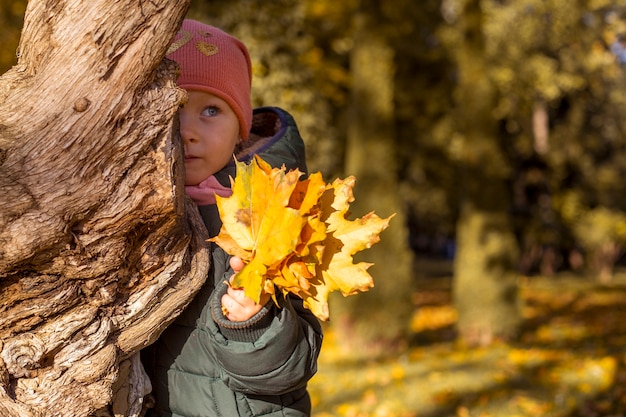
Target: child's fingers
236, 263
237, 308
239, 296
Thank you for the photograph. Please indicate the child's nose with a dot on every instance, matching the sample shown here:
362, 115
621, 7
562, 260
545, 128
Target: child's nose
186, 128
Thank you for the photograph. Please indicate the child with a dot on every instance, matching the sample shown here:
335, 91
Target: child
226, 355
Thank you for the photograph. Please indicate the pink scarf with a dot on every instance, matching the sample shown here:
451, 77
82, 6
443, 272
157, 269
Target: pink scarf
204, 193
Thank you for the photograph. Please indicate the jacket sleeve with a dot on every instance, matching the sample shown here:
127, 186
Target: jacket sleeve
273, 353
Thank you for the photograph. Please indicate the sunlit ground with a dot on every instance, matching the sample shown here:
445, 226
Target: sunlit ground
570, 362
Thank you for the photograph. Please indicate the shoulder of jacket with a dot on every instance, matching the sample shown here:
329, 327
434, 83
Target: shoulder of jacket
270, 125
275, 138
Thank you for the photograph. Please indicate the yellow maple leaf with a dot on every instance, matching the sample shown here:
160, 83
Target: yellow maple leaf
294, 236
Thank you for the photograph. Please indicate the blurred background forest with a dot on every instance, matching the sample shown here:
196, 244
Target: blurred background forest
496, 131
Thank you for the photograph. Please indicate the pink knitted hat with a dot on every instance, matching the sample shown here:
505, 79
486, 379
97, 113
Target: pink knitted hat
211, 60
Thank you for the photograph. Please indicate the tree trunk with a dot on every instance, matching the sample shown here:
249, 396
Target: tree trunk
375, 322
100, 249
485, 279
485, 267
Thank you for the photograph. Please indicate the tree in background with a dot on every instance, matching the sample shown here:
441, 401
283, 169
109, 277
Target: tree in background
560, 95
378, 320
485, 266
538, 80
587, 150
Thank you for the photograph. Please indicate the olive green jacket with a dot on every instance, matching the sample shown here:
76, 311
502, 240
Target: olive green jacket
205, 365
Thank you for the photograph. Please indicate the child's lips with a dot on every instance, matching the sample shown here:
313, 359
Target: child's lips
189, 158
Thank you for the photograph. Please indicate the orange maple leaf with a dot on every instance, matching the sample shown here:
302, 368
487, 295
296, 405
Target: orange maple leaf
293, 235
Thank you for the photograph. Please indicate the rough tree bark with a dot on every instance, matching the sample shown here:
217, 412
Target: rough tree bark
98, 249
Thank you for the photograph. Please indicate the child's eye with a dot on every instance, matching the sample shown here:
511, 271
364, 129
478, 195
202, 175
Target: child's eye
210, 111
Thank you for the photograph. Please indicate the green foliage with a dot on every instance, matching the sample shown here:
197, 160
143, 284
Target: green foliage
535, 52
600, 225
601, 231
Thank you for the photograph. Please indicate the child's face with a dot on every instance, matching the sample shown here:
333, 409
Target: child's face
210, 131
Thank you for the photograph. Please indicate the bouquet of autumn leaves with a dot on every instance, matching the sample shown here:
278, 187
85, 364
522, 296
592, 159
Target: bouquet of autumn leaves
294, 236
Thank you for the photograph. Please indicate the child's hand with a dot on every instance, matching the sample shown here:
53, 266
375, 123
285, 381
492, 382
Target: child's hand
235, 304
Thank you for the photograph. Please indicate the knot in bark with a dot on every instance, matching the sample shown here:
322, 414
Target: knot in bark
22, 354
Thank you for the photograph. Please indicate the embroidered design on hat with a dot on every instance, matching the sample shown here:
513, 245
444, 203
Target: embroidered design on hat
207, 49
186, 36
